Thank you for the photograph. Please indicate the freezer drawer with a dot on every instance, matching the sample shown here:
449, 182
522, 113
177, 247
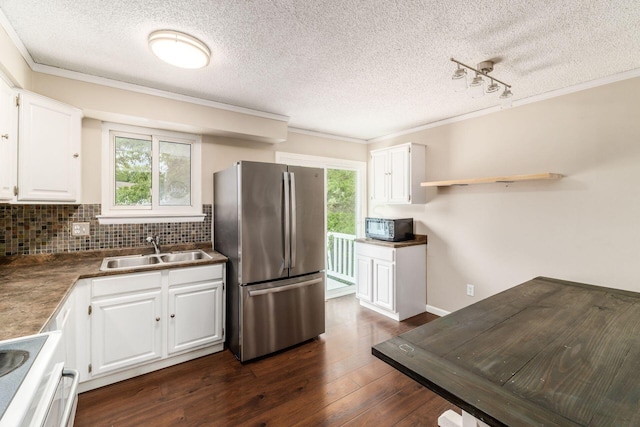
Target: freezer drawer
277, 315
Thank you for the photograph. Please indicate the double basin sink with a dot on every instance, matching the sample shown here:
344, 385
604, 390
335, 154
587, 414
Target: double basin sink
139, 261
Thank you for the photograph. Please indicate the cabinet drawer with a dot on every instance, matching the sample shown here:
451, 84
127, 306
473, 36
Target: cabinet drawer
375, 251
125, 283
195, 274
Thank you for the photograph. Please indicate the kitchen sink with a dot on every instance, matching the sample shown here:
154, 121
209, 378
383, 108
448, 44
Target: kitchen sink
184, 256
139, 261
131, 262
11, 360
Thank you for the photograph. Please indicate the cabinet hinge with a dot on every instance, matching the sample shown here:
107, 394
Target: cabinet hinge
18, 100
15, 190
89, 367
90, 310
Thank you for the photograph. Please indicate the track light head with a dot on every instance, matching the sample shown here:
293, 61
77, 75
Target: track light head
475, 88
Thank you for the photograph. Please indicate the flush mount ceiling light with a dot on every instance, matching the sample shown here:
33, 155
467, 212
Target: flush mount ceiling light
179, 49
476, 88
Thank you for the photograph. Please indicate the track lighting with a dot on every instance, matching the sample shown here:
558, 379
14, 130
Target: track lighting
460, 79
475, 88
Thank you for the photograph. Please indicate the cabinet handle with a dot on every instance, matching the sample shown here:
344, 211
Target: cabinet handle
157, 319
5, 136
173, 315
76, 155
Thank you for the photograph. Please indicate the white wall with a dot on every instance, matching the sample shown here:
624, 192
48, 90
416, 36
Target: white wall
585, 227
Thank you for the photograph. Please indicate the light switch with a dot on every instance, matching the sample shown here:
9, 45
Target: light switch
80, 229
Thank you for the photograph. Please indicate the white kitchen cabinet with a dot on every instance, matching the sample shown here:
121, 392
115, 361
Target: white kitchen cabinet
195, 308
48, 150
8, 134
396, 173
392, 280
40, 143
364, 278
125, 321
140, 322
63, 320
125, 331
384, 290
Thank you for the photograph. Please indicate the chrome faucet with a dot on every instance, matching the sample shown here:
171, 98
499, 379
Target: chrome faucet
155, 240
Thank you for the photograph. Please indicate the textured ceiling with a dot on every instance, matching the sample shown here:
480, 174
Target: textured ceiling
353, 68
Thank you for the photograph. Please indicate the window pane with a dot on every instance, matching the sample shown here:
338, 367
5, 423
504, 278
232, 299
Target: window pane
175, 174
133, 172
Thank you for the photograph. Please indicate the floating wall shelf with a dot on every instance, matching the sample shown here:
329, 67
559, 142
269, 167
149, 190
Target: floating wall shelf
493, 179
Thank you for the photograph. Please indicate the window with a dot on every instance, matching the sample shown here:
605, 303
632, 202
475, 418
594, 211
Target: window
151, 176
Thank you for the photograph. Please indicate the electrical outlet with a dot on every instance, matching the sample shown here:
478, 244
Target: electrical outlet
80, 229
470, 290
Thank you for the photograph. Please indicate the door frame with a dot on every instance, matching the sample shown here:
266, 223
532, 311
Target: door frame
334, 163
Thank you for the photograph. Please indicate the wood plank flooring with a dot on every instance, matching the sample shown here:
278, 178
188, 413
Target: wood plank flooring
330, 381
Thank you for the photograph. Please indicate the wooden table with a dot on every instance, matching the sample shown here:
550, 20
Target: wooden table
544, 353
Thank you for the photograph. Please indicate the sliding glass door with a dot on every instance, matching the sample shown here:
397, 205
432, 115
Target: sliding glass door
345, 195
341, 208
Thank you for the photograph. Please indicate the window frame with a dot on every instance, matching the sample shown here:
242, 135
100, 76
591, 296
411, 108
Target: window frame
113, 214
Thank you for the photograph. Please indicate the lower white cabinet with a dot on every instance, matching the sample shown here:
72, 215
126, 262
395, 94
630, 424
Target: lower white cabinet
64, 320
194, 312
392, 280
126, 316
140, 322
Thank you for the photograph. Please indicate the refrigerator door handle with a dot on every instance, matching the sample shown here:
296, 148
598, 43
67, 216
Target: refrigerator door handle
284, 288
287, 232
294, 220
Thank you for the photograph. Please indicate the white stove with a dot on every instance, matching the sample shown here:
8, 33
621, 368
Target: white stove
35, 389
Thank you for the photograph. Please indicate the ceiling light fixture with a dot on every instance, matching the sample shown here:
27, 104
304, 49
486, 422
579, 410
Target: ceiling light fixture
475, 88
460, 79
179, 49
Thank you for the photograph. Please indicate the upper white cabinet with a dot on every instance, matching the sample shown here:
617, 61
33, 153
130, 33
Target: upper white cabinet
48, 150
39, 149
396, 173
8, 134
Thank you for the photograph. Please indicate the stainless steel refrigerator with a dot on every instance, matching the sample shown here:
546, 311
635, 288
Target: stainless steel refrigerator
268, 219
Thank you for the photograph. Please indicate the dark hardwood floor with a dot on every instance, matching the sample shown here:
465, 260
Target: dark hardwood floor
332, 380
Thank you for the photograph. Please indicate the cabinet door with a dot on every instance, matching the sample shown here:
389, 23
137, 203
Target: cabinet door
400, 173
65, 321
50, 137
364, 282
195, 316
379, 176
384, 285
125, 331
8, 133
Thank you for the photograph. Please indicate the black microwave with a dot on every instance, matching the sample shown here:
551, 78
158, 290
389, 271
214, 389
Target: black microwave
390, 230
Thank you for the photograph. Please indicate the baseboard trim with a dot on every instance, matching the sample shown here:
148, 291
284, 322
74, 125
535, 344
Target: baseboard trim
437, 311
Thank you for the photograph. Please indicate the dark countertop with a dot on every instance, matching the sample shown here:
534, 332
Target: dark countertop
544, 353
419, 239
33, 286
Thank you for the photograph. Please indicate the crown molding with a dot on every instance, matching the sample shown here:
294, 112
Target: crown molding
327, 135
8, 28
530, 100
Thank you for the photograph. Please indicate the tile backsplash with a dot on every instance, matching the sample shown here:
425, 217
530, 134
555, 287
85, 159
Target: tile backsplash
45, 229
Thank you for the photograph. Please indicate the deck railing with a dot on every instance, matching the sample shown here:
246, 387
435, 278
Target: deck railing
341, 256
